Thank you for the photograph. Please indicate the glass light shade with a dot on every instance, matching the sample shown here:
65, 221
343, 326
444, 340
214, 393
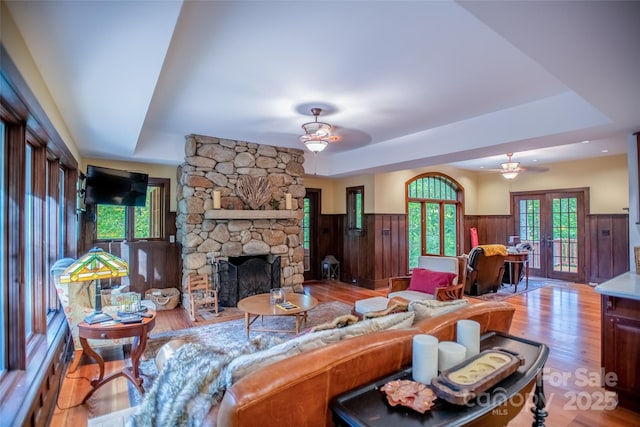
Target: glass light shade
315, 144
316, 137
95, 264
509, 175
510, 169
317, 128
510, 166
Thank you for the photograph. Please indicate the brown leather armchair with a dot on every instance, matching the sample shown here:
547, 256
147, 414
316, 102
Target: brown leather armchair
486, 268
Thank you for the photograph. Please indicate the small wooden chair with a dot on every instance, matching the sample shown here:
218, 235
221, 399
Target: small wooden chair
201, 294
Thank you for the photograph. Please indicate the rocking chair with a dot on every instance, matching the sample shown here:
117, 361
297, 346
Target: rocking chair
201, 294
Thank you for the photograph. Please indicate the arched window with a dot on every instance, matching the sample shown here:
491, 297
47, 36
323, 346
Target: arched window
434, 216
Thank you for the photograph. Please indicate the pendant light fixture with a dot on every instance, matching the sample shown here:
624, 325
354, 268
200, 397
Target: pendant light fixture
316, 137
510, 169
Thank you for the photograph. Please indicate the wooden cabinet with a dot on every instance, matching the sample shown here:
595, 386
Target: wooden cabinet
621, 347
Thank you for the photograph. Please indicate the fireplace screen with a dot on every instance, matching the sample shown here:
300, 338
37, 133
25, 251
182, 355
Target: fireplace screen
243, 276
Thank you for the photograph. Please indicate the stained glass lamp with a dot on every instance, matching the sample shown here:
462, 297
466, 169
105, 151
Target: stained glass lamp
94, 266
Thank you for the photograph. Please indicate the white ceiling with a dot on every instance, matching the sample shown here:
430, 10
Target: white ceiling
406, 84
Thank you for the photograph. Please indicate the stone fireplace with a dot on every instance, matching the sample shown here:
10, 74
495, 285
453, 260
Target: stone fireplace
210, 235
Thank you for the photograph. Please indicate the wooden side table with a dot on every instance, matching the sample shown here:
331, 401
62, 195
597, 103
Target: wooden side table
138, 331
521, 260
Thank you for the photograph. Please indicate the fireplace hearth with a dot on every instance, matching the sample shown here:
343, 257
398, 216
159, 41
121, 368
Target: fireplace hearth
244, 276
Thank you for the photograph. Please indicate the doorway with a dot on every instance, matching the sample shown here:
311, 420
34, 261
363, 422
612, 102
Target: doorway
553, 223
311, 209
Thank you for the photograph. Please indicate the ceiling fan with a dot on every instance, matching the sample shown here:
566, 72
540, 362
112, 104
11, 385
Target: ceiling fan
511, 169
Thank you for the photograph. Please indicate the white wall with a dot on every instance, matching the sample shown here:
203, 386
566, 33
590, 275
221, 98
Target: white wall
17, 49
488, 193
606, 178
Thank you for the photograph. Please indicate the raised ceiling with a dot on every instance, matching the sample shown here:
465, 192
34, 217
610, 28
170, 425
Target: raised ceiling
406, 84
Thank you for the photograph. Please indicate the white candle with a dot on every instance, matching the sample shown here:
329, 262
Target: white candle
287, 201
425, 358
469, 336
216, 199
450, 354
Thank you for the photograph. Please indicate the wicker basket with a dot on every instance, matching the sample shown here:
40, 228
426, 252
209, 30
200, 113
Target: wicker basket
164, 299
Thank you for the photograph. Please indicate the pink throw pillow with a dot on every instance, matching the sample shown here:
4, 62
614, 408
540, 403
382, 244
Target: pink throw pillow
425, 280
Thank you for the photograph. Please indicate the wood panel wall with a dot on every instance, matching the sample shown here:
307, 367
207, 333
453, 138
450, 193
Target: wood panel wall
491, 229
152, 263
330, 242
376, 253
607, 246
368, 259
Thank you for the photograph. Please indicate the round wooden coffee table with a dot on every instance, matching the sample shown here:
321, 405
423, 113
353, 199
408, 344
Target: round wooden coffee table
258, 306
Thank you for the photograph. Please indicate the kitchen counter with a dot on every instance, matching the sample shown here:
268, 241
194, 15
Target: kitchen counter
626, 285
620, 326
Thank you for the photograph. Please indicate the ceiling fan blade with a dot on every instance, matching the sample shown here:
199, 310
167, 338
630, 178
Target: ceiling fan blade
534, 169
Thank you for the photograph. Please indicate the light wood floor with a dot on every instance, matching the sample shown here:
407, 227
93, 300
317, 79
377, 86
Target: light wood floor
566, 318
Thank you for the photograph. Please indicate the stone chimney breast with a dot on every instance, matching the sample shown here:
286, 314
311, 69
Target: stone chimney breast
207, 233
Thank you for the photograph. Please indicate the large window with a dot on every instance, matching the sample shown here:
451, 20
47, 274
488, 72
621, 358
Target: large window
3, 250
37, 227
135, 223
434, 214
29, 237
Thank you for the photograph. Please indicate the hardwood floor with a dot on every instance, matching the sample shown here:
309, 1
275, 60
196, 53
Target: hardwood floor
565, 317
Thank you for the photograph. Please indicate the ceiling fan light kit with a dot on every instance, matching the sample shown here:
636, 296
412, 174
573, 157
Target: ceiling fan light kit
317, 134
510, 169
509, 175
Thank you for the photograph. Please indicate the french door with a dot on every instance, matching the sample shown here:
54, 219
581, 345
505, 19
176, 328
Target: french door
553, 223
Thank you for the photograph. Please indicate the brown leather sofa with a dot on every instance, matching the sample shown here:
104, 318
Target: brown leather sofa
484, 272
297, 391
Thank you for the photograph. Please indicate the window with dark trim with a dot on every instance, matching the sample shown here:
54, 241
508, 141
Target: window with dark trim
355, 208
434, 215
133, 223
37, 227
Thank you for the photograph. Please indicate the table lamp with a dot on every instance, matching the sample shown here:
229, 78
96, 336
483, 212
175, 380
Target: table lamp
94, 266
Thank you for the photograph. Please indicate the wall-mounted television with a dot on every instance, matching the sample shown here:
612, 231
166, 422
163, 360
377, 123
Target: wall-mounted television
106, 186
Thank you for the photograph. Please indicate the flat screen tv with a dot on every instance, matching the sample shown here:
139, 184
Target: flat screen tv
106, 186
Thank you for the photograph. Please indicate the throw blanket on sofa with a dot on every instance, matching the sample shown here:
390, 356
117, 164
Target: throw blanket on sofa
189, 384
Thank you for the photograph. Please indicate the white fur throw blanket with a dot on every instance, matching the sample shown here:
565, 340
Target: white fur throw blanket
189, 385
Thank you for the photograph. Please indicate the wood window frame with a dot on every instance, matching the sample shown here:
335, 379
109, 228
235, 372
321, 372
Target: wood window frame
27, 123
129, 235
459, 203
352, 211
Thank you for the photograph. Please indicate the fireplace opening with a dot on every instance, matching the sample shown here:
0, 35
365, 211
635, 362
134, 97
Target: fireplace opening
243, 276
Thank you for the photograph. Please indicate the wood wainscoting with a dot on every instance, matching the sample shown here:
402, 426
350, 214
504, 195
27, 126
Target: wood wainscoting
491, 229
152, 264
607, 246
367, 257
379, 251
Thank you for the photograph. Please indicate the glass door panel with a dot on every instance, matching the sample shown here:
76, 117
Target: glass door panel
552, 224
529, 218
565, 235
